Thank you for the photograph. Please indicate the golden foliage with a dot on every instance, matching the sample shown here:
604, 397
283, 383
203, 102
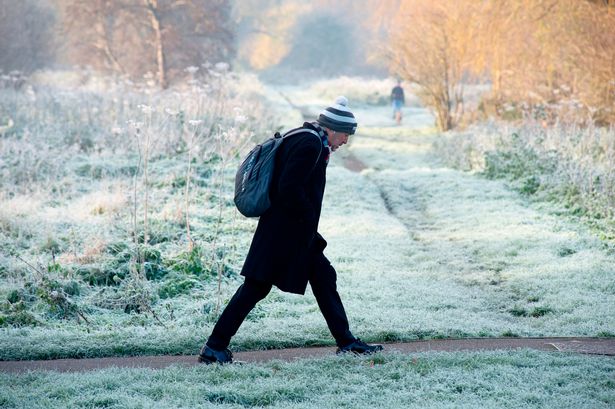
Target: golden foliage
535, 51
263, 51
271, 39
431, 45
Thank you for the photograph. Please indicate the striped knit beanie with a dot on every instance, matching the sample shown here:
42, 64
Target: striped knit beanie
338, 117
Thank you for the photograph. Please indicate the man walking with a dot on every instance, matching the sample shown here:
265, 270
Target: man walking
397, 100
287, 250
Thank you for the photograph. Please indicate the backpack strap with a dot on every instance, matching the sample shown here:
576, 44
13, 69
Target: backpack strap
301, 130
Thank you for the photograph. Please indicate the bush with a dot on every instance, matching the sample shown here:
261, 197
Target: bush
18, 319
95, 275
53, 293
132, 295
25, 295
116, 268
14, 311
540, 311
192, 262
177, 286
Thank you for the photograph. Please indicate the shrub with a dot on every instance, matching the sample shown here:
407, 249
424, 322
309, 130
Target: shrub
14, 311
27, 293
52, 292
120, 261
95, 275
540, 311
177, 286
518, 312
19, 318
132, 295
192, 262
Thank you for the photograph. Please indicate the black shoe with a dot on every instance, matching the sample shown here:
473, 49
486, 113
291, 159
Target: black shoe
360, 347
210, 356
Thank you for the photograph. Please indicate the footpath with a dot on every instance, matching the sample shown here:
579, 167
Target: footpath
592, 346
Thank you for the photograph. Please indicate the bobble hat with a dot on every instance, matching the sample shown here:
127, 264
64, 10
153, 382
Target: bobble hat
338, 117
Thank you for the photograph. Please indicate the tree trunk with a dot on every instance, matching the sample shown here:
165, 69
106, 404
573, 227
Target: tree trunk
152, 8
443, 113
105, 46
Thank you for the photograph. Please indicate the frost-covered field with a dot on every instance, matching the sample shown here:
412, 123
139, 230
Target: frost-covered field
421, 251
478, 254
86, 175
474, 258
571, 167
523, 379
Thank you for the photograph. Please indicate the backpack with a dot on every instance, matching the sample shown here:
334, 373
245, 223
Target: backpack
253, 178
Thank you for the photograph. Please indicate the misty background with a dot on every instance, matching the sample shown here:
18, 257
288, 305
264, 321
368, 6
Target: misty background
120, 37
554, 59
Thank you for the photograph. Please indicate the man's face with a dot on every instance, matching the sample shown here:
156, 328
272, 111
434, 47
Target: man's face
336, 139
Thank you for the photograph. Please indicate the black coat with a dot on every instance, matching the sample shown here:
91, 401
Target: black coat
286, 241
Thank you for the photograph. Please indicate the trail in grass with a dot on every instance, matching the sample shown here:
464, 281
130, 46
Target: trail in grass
446, 253
500, 265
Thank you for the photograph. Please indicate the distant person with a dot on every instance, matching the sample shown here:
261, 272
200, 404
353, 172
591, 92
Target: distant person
287, 250
398, 101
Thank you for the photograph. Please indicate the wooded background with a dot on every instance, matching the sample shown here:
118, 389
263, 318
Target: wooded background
553, 59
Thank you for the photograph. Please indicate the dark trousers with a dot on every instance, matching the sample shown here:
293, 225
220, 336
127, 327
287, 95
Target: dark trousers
323, 282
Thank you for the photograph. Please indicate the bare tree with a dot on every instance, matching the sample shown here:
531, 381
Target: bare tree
153, 12
430, 46
136, 37
553, 56
551, 51
89, 28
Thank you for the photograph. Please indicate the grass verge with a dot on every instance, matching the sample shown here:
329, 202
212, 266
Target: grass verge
519, 379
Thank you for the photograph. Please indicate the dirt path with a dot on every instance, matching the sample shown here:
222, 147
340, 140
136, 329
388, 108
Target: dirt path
593, 346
